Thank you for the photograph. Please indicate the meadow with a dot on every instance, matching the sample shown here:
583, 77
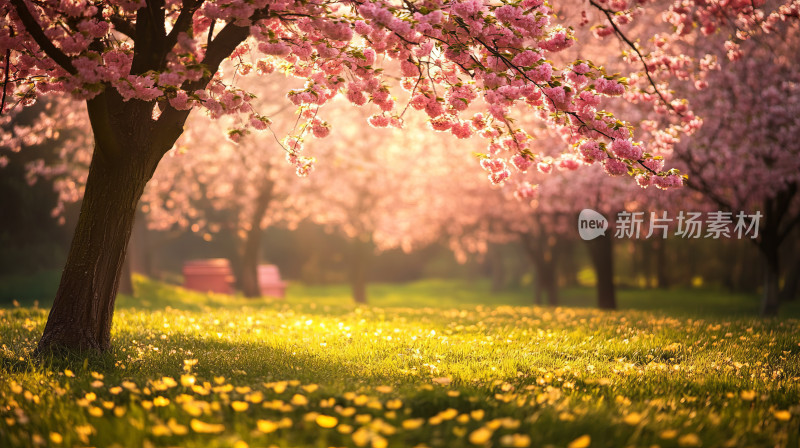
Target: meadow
435, 364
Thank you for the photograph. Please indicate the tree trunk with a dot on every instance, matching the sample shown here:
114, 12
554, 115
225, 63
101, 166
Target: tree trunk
251, 247
248, 278
662, 277
646, 252
769, 246
548, 276
792, 284
566, 254
358, 269
125, 280
84, 304
138, 249
602, 255
540, 251
129, 143
497, 268
792, 279
770, 299
538, 287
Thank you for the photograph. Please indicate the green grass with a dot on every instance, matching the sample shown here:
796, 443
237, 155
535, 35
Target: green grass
426, 364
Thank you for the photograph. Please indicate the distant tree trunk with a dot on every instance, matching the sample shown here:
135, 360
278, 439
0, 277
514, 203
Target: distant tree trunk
138, 248
770, 300
496, 267
731, 277
519, 270
541, 251
769, 245
646, 255
662, 273
602, 255
538, 289
358, 269
250, 252
792, 280
769, 248
791, 277
548, 275
125, 280
566, 255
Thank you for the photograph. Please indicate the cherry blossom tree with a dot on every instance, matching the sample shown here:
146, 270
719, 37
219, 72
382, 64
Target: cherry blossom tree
211, 182
142, 66
378, 188
208, 186
746, 158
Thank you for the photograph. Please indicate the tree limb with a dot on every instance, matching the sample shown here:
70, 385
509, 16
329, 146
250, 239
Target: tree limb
183, 22
105, 140
123, 26
629, 43
33, 28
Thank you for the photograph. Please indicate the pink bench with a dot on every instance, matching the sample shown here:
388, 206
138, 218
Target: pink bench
210, 275
269, 281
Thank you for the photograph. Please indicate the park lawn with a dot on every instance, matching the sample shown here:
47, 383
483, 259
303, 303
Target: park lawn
199, 370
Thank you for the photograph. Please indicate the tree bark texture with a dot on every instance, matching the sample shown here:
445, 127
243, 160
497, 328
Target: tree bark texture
602, 255
251, 247
358, 269
542, 253
128, 147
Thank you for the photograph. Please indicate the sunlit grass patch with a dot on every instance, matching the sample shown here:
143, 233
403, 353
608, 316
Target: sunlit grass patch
218, 371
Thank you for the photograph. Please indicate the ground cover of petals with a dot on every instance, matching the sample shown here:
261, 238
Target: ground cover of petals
190, 369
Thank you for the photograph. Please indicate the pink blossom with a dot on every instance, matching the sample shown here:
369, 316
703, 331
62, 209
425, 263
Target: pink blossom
625, 149
378, 121
615, 167
478, 121
180, 101
526, 191
521, 162
568, 163
544, 168
609, 87
497, 178
259, 123
557, 42
356, 97
493, 165
461, 130
591, 152
656, 165
275, 49
644, 180
668, 181
320, 129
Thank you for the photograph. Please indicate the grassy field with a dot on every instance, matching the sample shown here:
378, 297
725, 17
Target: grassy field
686, 369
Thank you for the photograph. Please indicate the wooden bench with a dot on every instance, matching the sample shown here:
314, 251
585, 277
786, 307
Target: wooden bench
269, 281
209, 275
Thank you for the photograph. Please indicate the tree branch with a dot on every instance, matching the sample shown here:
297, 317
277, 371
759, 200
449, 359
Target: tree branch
629, 43
33, 28
183, 22
220, 48
123, 26
148, 51
6, 74
105, 140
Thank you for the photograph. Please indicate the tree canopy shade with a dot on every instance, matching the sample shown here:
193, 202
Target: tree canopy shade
142, 66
